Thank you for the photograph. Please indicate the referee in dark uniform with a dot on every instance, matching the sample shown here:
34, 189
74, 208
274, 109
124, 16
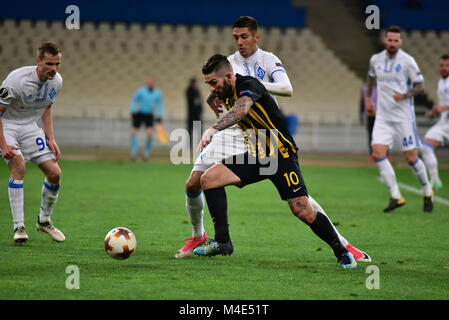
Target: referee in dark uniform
270, 145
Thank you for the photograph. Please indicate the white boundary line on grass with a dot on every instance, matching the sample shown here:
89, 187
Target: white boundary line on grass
418, 191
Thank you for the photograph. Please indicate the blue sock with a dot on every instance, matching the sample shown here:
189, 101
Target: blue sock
134, 145
148, 145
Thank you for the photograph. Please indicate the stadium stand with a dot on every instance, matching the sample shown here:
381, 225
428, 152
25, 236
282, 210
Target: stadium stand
104, 63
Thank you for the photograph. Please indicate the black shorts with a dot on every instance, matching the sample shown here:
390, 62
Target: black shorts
284, 173
139, 118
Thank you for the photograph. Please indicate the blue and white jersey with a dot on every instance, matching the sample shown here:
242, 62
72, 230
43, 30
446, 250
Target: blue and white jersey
261, 65
397, 74
26, 97
443, 97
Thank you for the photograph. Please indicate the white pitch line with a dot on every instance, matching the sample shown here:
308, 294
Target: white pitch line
418, 191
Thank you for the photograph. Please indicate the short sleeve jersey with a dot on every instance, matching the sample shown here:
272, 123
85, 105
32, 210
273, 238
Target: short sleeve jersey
263, 125
397, 74
443, 97
26, 97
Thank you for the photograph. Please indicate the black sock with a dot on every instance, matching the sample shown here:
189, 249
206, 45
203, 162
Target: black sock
218, 208
323, 228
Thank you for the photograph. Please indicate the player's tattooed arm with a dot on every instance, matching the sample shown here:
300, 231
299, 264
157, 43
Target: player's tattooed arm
235, 114
417, 88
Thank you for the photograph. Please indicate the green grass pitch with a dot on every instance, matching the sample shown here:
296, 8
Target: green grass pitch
276, 256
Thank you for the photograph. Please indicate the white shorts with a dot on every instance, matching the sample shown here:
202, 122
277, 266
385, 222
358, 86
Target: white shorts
387, 132
438, 132
224, 144
31, 141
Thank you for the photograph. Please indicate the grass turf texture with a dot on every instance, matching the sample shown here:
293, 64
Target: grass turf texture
276, 256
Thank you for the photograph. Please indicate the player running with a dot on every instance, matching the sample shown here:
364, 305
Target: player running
439, 132
252, 108
398, 80
26, 95
252, 61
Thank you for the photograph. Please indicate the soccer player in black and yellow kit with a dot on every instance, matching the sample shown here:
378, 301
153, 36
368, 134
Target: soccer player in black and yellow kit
272, 154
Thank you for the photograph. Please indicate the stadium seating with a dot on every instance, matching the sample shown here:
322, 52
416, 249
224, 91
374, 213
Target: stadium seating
105, 63
427, 47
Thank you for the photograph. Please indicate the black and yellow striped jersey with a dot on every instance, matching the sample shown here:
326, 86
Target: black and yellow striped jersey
264, 125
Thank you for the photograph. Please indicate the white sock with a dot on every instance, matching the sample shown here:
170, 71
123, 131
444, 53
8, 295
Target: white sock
431, 161
317, 207
419, 170
15, 193
389, 177
194, 206
49, 198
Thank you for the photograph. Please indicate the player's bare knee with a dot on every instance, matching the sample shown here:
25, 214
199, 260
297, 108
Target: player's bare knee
411, 156
193, 184
206, 180
302, 210
54, 175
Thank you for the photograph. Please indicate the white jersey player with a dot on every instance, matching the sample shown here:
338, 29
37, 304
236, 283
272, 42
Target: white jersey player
398, 79
26, 95
439, 132
249, 60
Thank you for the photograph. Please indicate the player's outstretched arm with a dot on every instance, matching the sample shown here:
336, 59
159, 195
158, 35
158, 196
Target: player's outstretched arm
47, 123
234, 115
280, 86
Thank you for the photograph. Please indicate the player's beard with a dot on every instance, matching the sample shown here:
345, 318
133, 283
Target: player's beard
226, 92
392, 50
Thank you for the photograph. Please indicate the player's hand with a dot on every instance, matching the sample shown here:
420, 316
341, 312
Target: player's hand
54, 147
369, 107
397, 96
217, 106
206, 138
436, 110
8, 152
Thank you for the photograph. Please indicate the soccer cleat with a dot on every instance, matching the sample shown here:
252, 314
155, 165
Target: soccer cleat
47, 227
347, 261
191, 243
214, 248
20, 236
394, 203
436, 185
358, 255
428, 204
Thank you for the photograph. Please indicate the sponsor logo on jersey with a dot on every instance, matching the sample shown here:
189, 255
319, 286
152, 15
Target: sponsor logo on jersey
279, 64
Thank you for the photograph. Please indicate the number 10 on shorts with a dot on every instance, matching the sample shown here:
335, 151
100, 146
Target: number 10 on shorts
292, 178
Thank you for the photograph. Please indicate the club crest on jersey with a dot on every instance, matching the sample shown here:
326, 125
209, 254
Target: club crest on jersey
398, 68
260, 73
52, 93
